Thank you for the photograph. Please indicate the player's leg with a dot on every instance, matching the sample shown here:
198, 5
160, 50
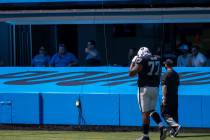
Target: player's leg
163, 131
174, 130
174, 115
170, 121
167, 114
143, 101
153, 91
145, 126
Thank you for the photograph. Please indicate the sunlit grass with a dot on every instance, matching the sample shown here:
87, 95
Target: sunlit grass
84, 135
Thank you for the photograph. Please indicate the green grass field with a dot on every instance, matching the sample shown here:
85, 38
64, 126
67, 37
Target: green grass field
83, 135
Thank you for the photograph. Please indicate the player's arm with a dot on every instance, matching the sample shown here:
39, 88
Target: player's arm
164, 90
134, 69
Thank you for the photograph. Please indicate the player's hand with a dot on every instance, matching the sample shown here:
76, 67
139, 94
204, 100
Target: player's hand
163, 102
134, 59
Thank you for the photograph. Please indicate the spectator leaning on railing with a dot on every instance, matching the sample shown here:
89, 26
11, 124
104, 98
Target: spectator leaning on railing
41, 59
63, 58
198, 59
184, 59
93, 57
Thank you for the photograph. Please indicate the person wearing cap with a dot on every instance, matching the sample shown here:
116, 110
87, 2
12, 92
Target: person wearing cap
184, 59
169, 107
198, 59
63, 58
41, 59
93, 57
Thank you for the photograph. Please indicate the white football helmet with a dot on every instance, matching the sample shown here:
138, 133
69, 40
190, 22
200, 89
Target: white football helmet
143, 51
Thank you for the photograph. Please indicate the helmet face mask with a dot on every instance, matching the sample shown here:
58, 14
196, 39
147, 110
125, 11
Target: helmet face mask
143, 51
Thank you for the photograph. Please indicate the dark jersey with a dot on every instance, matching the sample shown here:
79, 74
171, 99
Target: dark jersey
150, 73
171, 80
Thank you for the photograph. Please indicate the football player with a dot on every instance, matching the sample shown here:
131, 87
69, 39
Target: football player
148, 69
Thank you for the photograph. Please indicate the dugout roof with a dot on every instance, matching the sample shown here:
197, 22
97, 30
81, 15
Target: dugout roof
107, 16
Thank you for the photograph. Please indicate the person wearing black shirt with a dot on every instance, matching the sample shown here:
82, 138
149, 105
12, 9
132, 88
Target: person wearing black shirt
169, 107
148, 69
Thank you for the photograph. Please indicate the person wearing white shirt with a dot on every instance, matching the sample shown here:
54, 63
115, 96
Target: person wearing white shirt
93, 57
198, 59
184, 59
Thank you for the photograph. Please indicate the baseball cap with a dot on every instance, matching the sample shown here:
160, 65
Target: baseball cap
168, 61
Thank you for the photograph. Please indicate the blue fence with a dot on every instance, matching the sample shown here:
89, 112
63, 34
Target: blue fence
107, 96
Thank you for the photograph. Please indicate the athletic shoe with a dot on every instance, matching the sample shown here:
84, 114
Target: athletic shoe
177, 130
171, 133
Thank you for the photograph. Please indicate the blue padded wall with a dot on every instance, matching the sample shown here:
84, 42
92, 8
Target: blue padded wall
97, 109
206, 111
59, 108
190, 111
100, 109
5, 111
130, 114
41, 96
19, 108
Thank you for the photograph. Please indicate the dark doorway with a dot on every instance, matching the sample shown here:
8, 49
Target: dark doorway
44, 35
22, 51
67, 34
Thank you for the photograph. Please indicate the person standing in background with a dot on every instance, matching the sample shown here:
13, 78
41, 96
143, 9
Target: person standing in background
169, 106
